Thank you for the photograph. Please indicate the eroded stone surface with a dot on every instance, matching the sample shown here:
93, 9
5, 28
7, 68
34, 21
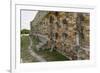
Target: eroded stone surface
62, 29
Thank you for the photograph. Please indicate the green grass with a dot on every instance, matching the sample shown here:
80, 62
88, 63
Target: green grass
35, 41
25, 55
24, 42
51, 56
46, 54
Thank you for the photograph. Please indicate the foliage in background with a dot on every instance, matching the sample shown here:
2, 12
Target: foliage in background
25, 31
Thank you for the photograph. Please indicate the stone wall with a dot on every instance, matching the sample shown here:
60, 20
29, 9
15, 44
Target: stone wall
68, 32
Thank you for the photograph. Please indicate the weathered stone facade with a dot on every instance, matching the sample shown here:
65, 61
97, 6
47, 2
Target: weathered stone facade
67, 32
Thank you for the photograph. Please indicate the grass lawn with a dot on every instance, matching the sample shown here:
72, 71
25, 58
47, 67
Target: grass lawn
46, 54
25, 55
51, 56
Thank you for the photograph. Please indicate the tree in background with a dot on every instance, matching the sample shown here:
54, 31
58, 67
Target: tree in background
25, 31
